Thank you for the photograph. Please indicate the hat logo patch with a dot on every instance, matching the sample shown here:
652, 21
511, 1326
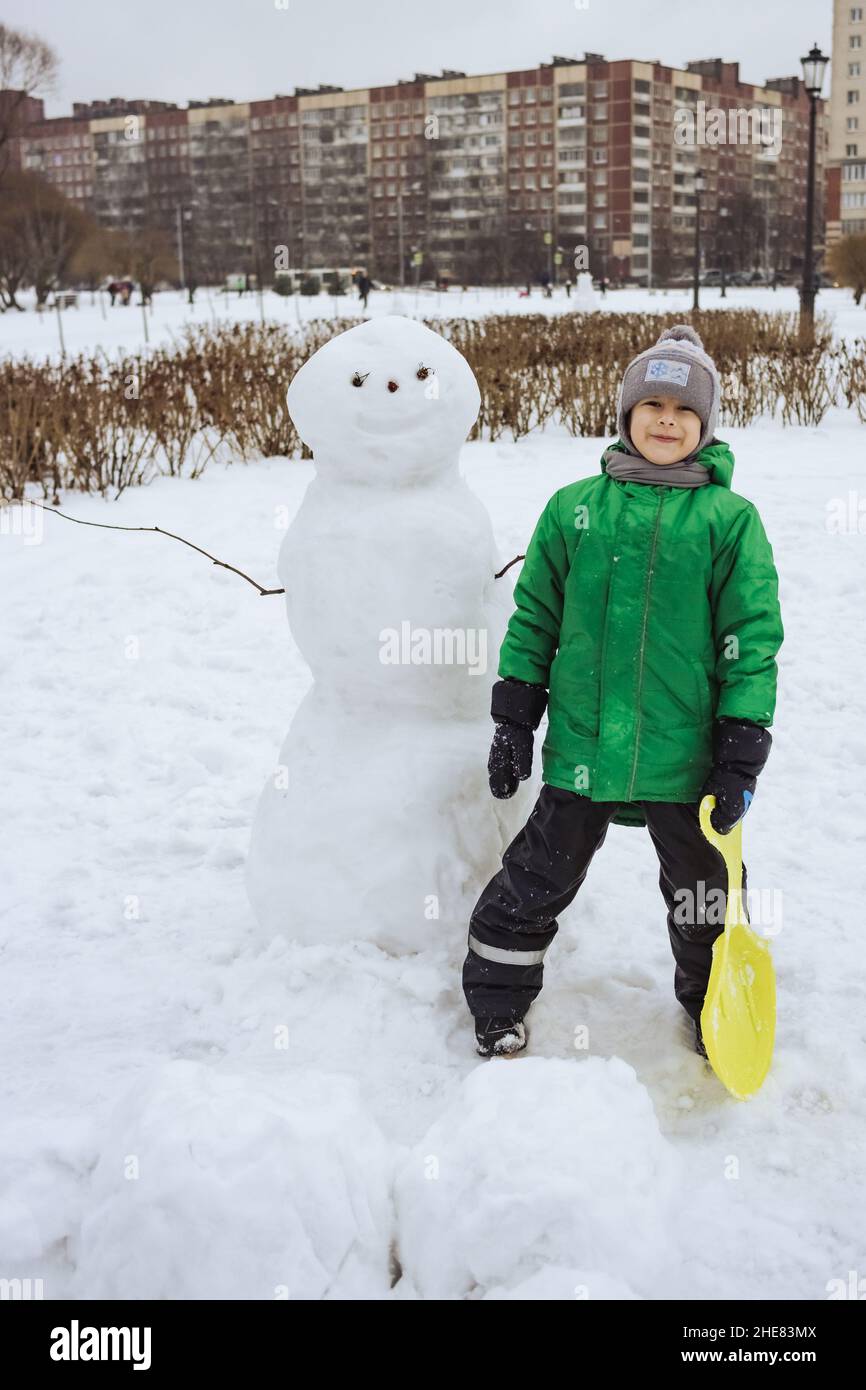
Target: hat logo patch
663, 369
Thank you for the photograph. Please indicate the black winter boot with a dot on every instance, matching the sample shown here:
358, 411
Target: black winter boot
499, 1037
699, 1041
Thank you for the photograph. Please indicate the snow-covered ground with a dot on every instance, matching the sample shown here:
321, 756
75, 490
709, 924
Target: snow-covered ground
187, 1114
97, 324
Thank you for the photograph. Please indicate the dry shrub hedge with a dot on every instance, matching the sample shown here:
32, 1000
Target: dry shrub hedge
100, 424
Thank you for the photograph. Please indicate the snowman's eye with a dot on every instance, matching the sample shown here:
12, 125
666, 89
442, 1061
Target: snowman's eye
423, 372
358, 379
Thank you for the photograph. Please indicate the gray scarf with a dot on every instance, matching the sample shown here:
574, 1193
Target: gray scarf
634, 467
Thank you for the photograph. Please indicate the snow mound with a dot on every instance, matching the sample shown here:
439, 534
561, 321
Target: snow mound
555, 1283
223, 1185
542, 1175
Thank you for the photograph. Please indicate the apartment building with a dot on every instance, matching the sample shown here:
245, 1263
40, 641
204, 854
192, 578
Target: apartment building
847, 153
498, 176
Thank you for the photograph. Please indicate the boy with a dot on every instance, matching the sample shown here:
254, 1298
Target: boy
648, 607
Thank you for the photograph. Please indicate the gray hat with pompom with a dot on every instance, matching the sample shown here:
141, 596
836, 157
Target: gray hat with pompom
676, 366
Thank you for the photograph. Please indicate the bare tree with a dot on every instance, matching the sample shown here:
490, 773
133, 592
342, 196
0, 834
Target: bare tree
847, 260
41, 231
13, 255
150, 257
28, 66
100, 254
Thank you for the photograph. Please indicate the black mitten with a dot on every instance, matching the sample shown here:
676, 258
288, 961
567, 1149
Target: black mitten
517, 707
740, 750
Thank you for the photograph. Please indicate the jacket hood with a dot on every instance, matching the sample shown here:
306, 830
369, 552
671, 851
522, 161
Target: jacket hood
716, 456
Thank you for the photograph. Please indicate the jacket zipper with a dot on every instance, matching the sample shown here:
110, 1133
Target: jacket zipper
643, 644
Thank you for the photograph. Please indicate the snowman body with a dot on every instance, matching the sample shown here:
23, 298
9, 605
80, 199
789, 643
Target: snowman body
378, 823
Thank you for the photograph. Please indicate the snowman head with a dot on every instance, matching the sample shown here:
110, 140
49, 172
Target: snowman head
387, 400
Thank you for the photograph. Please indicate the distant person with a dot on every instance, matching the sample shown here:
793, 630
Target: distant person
568, 289
365, 285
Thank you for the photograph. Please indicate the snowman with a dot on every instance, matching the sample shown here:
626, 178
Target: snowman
378, 823
585, 298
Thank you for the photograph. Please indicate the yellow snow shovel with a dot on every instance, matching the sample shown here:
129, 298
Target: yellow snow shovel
738, 1020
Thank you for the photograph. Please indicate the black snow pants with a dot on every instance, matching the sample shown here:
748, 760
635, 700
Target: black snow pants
514, 920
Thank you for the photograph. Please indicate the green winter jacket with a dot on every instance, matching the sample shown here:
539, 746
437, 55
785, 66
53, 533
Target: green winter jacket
647, 610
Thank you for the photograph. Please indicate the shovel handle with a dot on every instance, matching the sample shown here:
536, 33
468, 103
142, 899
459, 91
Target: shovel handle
730, 846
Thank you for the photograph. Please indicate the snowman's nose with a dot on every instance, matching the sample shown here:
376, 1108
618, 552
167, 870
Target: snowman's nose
392, 386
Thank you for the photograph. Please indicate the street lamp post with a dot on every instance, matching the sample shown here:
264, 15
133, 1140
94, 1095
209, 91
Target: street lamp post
723, 213
696, 283
400, 235
814, 67
415, 187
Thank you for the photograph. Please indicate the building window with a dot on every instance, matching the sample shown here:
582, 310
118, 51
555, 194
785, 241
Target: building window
853, 69
599, 221
853, 96
641, 86
855, 41
850, 150
852, 123
856, 14
599, 156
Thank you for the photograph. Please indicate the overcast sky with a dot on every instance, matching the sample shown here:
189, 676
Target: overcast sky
176, 49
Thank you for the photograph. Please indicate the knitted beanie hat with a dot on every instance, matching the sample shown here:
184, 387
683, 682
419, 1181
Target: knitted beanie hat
676, 366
